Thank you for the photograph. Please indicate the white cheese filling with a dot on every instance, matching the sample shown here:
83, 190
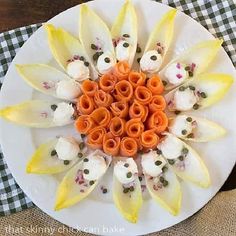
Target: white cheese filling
123, 49
77, 70
171, 147
184, 100
63, 113
94, 166
152, 163
105, 62
68, 89
151, 61
180, 127
67, 148
126, 171
175, 73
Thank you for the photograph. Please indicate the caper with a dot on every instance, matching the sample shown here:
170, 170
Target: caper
184, 132
138, 60
126, 165
165, 183
91, 182
195, 106
190, 73
164, 82
66, 162
80, 155
81, 145
192, 87
86, 159
86, 171
185, 151
131, 189
187, 68
53, 153
125, 45
159, 152
138, 50
190, 135
104, 190
129, 175
162, 179
181, 88
126, 35
189, 119
54, 107
164, 168
125, 190
177, 112
93, 46
153, 57
203, 95
171, 161
107, 60
181, 158
157, 163
86, 63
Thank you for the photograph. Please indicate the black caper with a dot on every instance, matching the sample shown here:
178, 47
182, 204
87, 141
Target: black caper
93, 46
190, 135
162, 179
189, 119
164, 168
164, 82
83, 135
107, 60
54, 107
86, 171
153, 57
187, 68
138, 50
140, 178
157, 163
80, 155
195, 106
53, 153
100, 53
126, 165
66, 162
81, 58
138, 60
86, 63
131, 189
184, 132
86, 159
185, 151
165, 183
191, 87
171, 161
203, 95
129, 175
91, 182
95, 56
181, 88
125, 190
126, 35
125, 45
104, 190
81, 145
181, 158
177, 112
190, 73
159, 152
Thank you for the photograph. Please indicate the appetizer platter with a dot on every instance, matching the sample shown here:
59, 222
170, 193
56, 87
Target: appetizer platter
113, 116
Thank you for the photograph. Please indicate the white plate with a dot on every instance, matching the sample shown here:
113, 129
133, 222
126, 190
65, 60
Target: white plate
96, 214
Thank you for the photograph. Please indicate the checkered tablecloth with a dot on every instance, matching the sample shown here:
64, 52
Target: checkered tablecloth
218, 16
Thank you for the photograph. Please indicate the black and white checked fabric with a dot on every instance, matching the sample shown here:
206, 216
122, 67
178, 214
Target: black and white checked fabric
218, 16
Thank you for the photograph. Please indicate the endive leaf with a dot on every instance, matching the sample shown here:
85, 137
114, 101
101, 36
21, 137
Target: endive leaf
64, 46
70, 190
191, 168
126, 24
42, 77
214, 86
129, 203
93, 30
200, 55
42, 162
32, 113
203, 130
169, 197
162, 32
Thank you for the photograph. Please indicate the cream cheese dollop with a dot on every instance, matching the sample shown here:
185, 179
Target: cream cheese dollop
123, 49
151, 61
175, 73
77, 70
126, 171
94, 166
63, 113
68, 89
180, 126
152, 163
171, 147
184, 100
67, 148
105, 62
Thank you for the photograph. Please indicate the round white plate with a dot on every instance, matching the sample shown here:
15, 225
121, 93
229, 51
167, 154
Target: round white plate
97, 214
